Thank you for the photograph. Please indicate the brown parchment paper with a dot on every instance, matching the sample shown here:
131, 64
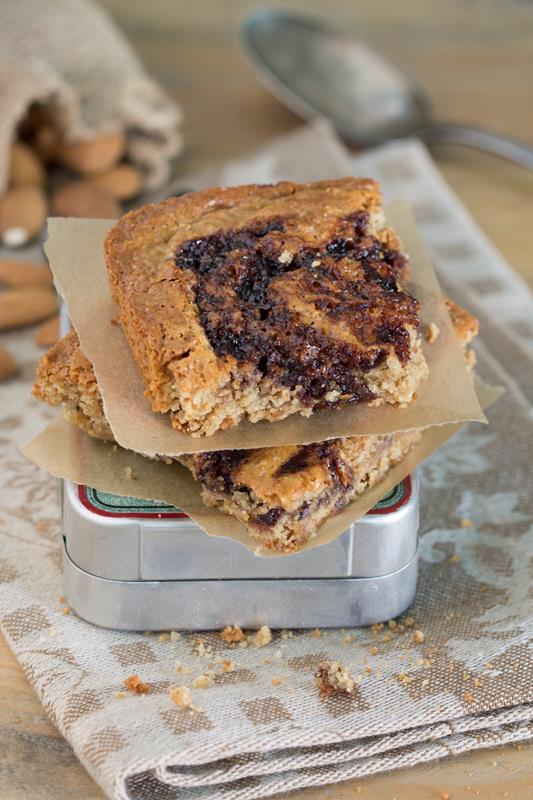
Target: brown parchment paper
75, 251
67, 452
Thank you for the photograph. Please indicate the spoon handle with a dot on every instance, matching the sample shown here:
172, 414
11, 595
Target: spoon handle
513, 150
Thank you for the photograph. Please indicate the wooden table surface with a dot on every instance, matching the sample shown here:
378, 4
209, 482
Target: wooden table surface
476, 59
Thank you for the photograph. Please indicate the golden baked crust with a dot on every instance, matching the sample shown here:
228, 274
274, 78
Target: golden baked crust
263, 301
282, 494
66, 377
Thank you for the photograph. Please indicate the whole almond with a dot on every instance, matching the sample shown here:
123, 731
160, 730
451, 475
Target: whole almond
8, 366
122, 182
82, 199
22, 209
19, 274
47, 333
24, 166
20, 307
91, 156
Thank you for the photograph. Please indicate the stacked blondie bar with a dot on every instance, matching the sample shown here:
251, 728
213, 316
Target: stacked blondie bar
257, 303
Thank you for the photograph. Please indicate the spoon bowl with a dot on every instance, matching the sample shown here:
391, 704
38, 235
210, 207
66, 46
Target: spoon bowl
317, 71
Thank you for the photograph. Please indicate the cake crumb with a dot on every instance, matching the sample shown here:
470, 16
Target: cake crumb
228, 666
373, 650
181, 669
263, 636
377, 627
476, 682
204, 681
418, 637
181, 696
164, 637
316, 633
232, 633
432, 333
468, 697
332, 678
174, 636
135, 685
276, 681
455, 558
444, 796
65, 610
466, 523
128, 472
120, 695
409, 622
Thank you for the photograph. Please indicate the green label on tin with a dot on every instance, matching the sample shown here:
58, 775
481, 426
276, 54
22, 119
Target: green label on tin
394, 497
112, 503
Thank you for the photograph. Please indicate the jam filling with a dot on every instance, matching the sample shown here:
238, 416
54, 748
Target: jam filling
246, 284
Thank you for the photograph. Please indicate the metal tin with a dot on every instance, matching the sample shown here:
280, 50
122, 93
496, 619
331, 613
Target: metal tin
132, 564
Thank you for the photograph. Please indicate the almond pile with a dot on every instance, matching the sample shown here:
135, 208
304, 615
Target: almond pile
27, 296
49, 174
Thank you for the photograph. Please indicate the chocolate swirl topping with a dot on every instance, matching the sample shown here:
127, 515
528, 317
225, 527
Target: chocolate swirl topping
317, 318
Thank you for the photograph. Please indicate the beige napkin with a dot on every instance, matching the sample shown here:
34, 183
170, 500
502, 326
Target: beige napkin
464, 683
69, 53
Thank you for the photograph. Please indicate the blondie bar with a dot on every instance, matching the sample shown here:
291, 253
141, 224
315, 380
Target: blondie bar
282, 494
258, 302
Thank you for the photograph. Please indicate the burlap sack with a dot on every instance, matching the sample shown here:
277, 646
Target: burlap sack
69, 53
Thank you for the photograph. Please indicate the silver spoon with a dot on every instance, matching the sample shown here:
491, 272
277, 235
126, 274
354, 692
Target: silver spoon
317, 71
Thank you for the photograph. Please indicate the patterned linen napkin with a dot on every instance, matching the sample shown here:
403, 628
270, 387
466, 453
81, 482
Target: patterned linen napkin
462, 682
